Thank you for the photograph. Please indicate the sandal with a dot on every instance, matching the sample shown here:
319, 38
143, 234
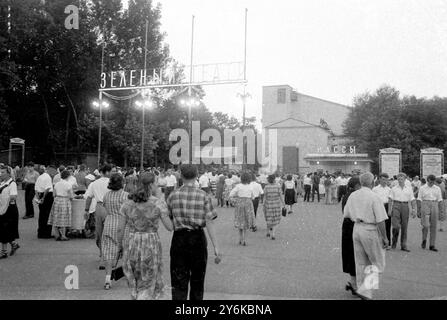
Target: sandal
3, 254
107, 286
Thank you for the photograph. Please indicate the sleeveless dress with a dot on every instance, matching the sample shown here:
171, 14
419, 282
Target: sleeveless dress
272, 205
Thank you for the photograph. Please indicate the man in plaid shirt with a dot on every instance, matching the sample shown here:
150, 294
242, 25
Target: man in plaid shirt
191, 211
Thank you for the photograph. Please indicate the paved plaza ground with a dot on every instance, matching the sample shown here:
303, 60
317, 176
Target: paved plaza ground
304, 262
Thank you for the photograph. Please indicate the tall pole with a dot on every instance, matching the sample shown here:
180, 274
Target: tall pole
142, 144
245, 94
100, 109
190, 93
245, 46
143, 106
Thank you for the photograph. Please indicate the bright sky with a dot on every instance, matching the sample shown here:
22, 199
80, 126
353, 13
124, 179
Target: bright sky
331, 49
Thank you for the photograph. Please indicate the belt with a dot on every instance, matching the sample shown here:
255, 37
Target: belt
430, 200
363, 222
189, 230
400, 201
98, 202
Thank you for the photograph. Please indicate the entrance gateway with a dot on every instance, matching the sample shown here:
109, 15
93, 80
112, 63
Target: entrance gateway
139, 82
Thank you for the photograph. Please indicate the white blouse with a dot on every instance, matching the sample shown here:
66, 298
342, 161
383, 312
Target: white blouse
63, 189
7, 192
242, 191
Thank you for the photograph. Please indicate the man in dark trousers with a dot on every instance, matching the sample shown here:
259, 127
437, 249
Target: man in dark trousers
191, 210
315, 186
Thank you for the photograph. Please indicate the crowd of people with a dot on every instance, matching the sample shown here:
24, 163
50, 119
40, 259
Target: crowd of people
123, 209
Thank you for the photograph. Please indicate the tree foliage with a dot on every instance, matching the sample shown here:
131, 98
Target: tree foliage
383, 119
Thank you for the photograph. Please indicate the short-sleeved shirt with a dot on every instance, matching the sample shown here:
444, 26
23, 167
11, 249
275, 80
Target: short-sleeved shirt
402, 194
365, 206
63, 188
430, 193
256, 188
382, 192
43, 183
31, 177
190, 207
243, 191
97, 189
7, 192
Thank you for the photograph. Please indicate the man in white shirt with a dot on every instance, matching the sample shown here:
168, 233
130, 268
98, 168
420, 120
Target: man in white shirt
257, 193
342, 183
366, 210
44, 193
384, 192
204, 182
429, 205
96, 190
171, 182
402, 202
307, 183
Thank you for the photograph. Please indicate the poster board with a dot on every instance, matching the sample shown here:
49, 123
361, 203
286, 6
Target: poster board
432, 162
390, 161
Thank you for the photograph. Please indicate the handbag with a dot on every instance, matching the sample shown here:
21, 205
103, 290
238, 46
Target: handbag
284, 211
117, 273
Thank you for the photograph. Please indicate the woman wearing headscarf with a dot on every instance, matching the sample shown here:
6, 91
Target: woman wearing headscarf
142, 256
112, 235
347, 244
61, 215
9, 214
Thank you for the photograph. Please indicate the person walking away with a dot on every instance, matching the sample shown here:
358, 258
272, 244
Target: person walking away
366, 210
402, 202
96, 190
131, 181
289, 193
61, 214
204, 182
80, 180
213, 182
307, 187
327, 189
384, 192
347, 244
342, 185
220, 190
30, 179
429, 205
171, 182
257, 194
315, 186
273, 202
9, 214
440, 182
243, 211
112, 235
142, 250
229, 184
191, 210
44, 191
333, 189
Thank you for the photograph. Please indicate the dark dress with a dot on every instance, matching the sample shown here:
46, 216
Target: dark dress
347, 244
9, 222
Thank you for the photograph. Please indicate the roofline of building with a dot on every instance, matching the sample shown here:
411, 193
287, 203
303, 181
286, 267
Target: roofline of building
307, 95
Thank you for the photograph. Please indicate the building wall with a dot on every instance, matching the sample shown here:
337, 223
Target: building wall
304, 131
305, 108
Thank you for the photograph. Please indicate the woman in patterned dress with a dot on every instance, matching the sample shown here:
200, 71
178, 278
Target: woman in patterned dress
142, 258
273, 202
60, 215
112, 235
243, 212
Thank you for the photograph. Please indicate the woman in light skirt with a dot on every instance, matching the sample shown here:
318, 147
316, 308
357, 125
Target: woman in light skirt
112, 235
243, 213
60, 215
